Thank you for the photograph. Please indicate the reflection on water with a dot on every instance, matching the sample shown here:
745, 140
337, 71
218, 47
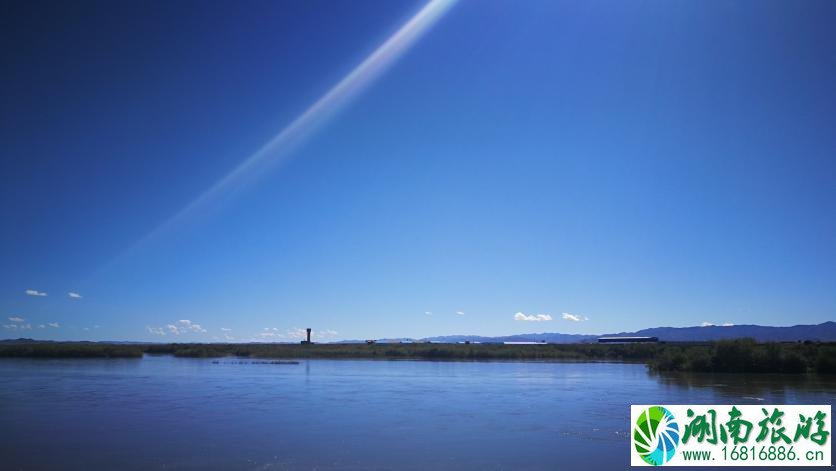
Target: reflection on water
164, 412
755, 388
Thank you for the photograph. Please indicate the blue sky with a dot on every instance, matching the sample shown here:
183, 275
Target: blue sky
627, 164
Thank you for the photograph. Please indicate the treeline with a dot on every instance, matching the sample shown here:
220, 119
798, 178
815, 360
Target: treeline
730, 356
747, 356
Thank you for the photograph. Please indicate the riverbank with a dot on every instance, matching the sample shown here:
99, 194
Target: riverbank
734, 356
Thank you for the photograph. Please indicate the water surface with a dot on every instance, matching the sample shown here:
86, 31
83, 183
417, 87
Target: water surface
162, 412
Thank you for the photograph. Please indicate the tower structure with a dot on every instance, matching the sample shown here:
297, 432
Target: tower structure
308, 341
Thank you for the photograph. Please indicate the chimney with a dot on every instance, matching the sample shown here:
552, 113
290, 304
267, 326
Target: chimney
309, 334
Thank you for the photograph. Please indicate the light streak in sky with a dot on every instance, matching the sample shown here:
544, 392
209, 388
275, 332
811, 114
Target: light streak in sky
285, 141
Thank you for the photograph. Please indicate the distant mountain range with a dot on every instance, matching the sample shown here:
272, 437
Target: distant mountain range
825, 332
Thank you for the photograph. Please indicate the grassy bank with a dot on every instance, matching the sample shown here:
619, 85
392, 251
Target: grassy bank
733, 356
553, 352
69, 350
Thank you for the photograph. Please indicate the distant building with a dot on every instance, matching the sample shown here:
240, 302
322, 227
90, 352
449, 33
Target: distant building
542, 342
308, 341
628, 339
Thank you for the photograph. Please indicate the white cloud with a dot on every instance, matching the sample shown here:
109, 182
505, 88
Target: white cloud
428, 313
271, 333
74, 295
155, 330
34, 292
53, 324
460, 313
17, 326
185, 326
297, 333
327, 334
41, 326
225, 329
573, 317
16, 319
532, 318
711, 324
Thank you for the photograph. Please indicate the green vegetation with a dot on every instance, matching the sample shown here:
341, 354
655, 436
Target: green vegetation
426, 351
731, 356
68, 350
747, 356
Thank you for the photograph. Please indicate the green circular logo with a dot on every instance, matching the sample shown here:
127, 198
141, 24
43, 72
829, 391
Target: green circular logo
656, 435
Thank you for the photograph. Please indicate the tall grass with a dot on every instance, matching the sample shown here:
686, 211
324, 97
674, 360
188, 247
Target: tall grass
69, 350
728, 356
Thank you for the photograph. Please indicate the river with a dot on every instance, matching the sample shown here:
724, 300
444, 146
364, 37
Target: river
162, 412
